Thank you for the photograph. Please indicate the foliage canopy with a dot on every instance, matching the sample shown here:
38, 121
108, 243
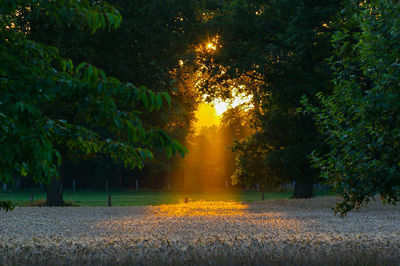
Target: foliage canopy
49, 107
360, 119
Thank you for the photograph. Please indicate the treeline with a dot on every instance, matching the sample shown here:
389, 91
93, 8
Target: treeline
323, 78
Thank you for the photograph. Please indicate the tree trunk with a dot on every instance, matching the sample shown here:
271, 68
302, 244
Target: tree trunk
109, 200
17, 182
54, 192
303, 190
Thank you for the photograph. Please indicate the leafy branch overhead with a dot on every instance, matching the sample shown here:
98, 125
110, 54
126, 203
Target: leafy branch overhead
49, 107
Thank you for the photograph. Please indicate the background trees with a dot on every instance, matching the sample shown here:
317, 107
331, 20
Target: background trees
277, 50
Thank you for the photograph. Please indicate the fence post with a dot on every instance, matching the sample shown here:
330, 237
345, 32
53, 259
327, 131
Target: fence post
73, 185
31, 198
137, 185
109, 200
257, 187
107, 185
4, 187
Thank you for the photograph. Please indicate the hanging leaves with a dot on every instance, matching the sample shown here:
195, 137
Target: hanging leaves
47, 106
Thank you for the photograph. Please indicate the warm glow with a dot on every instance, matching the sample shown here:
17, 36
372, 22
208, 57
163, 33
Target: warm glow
211, 46
221, 106
238, 99
209, 163
202, 208
210, 114
206, 116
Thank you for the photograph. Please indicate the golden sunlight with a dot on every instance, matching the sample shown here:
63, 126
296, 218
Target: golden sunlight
211, 46
222, 106
207, 116
238, 99
202, 208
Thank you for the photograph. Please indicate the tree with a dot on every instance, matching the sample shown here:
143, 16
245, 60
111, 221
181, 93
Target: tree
137, 55
235, 129
275, 51
360, 119
49, 108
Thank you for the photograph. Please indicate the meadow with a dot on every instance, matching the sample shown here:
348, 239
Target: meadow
142, 197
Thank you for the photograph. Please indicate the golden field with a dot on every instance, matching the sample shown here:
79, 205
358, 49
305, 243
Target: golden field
278, 232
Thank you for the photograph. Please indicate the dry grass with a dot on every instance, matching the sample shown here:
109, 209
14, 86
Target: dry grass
280, 232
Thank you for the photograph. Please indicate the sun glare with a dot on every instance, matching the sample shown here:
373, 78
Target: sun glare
238, 99
209, 114
211, 46
206, 116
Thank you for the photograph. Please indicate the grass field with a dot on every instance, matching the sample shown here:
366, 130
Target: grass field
141, 198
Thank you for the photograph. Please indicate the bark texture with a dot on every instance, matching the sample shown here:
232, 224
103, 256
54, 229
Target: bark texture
54, 192
303, 190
